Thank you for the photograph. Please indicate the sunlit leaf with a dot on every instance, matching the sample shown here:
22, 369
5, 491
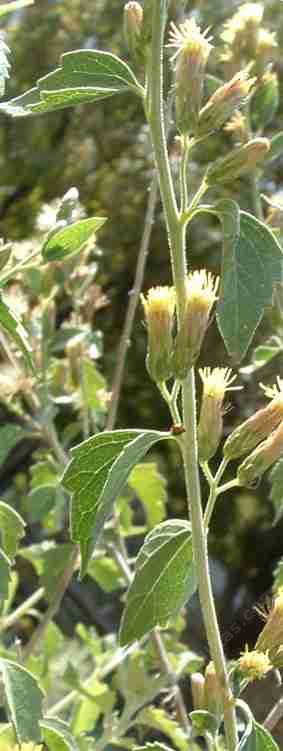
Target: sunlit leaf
71, 239
24, 699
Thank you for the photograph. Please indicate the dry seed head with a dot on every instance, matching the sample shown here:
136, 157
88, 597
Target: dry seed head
254, 665
225, 100
263, 457
201, 293
258, 426
159, 307
192, 51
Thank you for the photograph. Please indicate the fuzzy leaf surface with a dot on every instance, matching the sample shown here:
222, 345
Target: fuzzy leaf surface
57, 736
12, 529
12, 326
251, 265
71, 239
24, 699
96, 475
84, 76
164, 580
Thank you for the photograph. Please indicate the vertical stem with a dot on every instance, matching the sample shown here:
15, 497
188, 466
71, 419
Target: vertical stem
176, 233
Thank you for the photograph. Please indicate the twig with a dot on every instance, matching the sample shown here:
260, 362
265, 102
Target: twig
133, 303
10, 620
54, 605
275, 714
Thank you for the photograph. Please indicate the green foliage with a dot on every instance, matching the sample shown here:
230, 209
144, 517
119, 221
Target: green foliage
12, 529
84, 76
258, 739
164, 580
97, 475
150, 487
24, 699
4, 65
11, 324
10, 435
252, 264
70, 240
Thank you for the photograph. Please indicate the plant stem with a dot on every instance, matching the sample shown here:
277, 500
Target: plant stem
275, 714
188, 442
133, 303
24, 608
20, 266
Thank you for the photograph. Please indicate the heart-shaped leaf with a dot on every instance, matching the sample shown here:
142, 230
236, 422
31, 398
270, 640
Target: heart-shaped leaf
164, 580
96, 475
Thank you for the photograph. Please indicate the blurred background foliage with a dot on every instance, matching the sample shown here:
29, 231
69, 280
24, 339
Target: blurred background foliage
104, 150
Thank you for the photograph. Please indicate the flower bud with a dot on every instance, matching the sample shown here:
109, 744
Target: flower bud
133, 24
225, 100
241, 32
197, 687
216, 382
75, 350
270, 639
159, 307
193, 49
254, 665
257, 427
201, 289
213, 695
242, 159
261, 458
265, 101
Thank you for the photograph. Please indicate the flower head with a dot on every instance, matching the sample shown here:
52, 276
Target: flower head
192, 51
271, 637
241, 160
258, 426
159, 307
263, 457
133, 26
240, 33
216, 381
201, 293
254, 664
225, 100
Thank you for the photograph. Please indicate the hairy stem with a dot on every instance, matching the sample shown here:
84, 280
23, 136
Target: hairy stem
176, 233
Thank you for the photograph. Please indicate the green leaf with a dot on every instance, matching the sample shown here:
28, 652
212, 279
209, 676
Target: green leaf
106, 573
150, 487
5, 575
4, 64
41, 501
96, 475
258, 740
11, 324
50, 562
14, 5
84, 76
159, 720
93, 382
164, 580
71, 239
252, 263
56, 734
10, 435
12, 529
204, 722
24, 699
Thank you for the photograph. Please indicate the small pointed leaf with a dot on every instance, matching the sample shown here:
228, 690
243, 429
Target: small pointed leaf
12, 529
96, 475
71, 239
56, 734
24, 699
252, 264
11, 324
164, 580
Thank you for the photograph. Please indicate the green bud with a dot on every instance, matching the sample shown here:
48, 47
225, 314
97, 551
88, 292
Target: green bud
201, 288
263, 457
216, 381
133, 25
223, 103
197, 688
254, 430
243, 159
159, 307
